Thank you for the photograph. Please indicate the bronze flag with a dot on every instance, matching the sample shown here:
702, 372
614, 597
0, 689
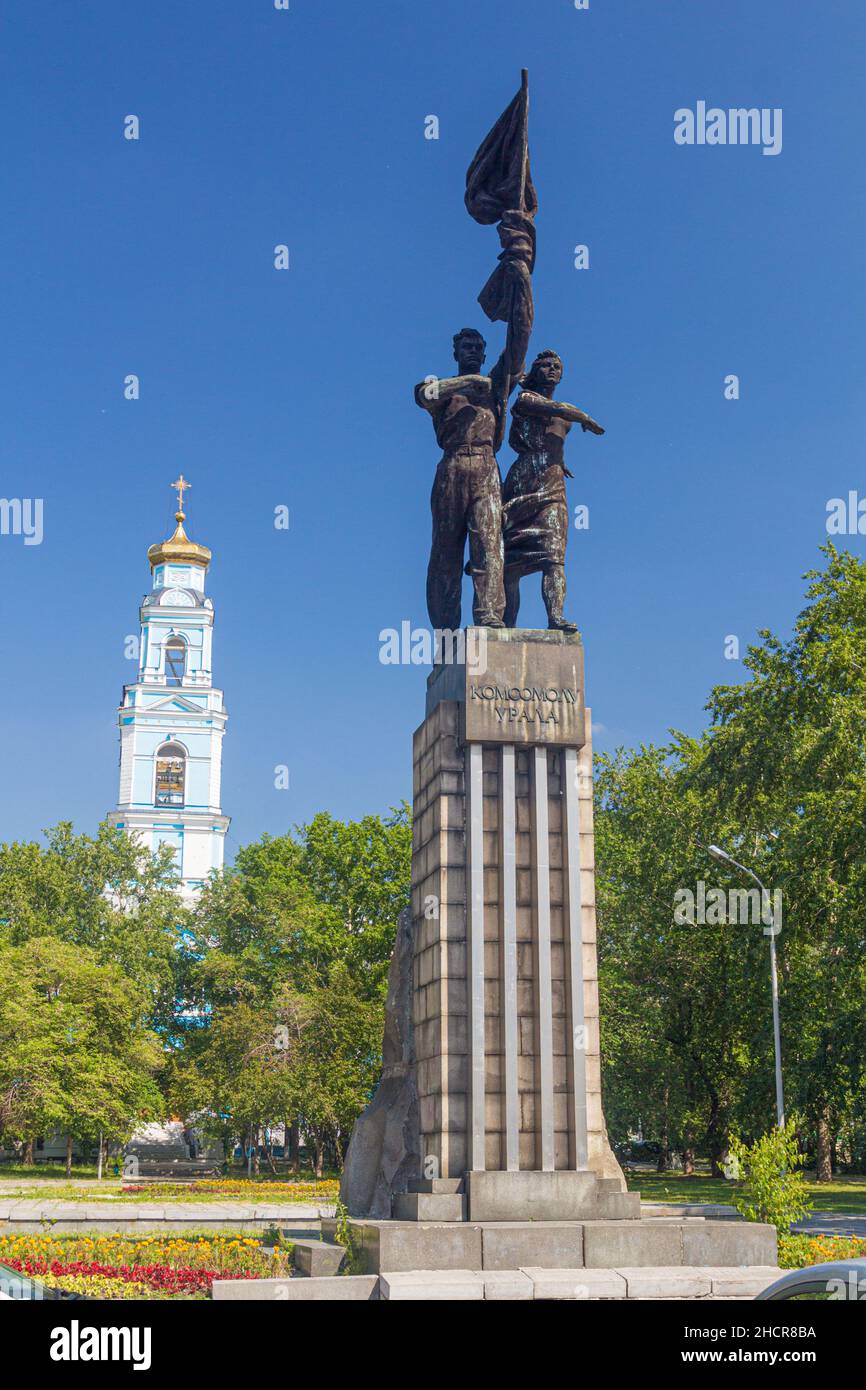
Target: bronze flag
499, 189
498, 179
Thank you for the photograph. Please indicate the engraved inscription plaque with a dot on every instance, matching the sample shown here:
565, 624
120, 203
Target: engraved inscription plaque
527, 688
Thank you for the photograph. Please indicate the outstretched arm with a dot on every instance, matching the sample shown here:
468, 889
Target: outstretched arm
533, 404
434, 390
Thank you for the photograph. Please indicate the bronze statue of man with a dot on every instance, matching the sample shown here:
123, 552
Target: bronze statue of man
534, 507
468, 412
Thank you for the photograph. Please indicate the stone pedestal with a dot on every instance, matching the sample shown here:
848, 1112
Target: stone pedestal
485, 1146
503, 902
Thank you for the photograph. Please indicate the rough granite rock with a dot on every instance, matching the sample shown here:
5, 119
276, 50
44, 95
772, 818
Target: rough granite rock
384, 1150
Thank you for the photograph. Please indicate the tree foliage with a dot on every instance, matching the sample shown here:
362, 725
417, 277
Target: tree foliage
287, 962
108, 894
773, 1190
76, 1055
778, 779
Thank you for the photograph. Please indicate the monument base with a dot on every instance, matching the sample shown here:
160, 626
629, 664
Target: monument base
564, 1195
522, 1195
505, 1017
381, 1247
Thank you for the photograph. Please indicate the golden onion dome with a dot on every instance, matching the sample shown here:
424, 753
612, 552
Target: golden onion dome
179, 549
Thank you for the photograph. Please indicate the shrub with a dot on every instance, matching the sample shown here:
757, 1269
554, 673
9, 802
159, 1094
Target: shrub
771, 1189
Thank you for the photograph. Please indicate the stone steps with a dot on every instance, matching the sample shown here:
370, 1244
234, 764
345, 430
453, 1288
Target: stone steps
316, 1259
385, 1247
21, 1216
680, 1283
562, 1195
429, 1206
686, 1283
177, 1169
344, 1288
449, 1186
618, 1206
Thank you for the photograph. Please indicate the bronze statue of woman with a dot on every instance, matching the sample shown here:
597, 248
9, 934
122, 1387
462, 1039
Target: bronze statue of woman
534, 507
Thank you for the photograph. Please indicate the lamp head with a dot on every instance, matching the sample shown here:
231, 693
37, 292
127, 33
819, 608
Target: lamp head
719, 854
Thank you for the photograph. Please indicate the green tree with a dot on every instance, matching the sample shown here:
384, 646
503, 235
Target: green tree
360, 872
787, 752
680, 1032
76, 1055
108, 894
310, 1055
778, 779
337, 1063
290, 908
293, 941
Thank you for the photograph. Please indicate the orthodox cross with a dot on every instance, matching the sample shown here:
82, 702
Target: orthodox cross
181, 485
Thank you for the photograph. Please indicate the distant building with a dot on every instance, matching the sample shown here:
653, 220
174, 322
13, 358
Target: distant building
172, 718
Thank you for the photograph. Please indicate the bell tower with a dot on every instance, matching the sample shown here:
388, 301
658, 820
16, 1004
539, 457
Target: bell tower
172, 718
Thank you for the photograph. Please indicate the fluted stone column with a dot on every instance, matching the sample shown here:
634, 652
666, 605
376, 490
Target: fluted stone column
503, 900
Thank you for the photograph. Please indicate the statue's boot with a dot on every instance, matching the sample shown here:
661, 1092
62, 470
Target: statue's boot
512, 598
553, 592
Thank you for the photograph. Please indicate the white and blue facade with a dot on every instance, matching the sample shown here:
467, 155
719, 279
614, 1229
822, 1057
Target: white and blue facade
172, 719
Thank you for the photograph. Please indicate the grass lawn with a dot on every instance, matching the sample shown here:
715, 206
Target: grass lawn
842, 1194
46, 1172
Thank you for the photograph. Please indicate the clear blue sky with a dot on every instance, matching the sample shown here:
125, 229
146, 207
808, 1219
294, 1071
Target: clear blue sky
307, 127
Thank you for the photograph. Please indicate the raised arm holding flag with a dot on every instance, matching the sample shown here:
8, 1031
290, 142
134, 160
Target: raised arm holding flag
469, 410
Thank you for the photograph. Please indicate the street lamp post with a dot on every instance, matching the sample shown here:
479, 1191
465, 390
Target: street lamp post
724, 858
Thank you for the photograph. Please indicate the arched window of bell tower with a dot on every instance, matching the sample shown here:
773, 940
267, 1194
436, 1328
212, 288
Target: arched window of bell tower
175, 661
170, 778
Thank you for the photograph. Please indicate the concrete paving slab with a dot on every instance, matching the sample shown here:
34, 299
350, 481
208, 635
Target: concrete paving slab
673, 1281
25, 1209
446, 1185
408, 1245
429, 1206
577, 1284
714, 1211
610, 1244
563, 1195
729, 1243
354, 1288
317, 1259
186, 1227
207, 1211
283, 1214
98, 1211
743, 1283
511, 1285
432, 1286
544, 1245
52, 1211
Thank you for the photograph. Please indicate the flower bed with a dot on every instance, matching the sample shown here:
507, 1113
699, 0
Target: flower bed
141, 1266
797, 1251
244, 1189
